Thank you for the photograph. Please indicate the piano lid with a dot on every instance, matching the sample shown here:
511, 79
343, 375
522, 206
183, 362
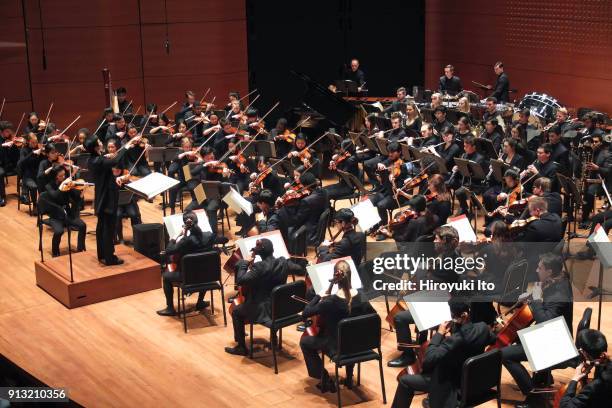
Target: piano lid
322, 100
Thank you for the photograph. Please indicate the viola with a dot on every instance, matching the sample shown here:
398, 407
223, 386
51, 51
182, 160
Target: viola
78, 184
219, 168
339, 159
262, 176
430, 197
395, 169
292, 197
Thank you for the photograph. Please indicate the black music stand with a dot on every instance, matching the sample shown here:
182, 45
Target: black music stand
440, 162
575, 198
485, 146
346, 87
157, 139
476, 205
368, 143
382, 122
265, 148
382, 145
406, 154
499, 169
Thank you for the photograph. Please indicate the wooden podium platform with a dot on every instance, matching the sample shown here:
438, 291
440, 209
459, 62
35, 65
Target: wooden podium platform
94, 282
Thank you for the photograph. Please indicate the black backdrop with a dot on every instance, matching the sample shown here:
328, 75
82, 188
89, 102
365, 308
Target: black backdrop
318, 37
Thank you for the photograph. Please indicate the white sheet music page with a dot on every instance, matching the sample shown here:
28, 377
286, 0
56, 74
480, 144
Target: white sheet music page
464, 228
601, 244
547, 344
428, 313
278, 243
237, 202
174, 223
152, 185
321, 273
366, 214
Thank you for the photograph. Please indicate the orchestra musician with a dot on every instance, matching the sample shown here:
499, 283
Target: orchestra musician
125, 106
494, 133
355, 74
396, 105
499, 196
186, 156
34, 125
436, 100
423, 222
349, 164
331, 309
440, 121
352, 242
190, 101
258, 279
551, 297
118, 130
590, 121
438, 199
463, 129
476, 185
490, 109
9, 156
545, 227
196, 120
135, 158
449, 149
413, 120
30, 157
52, 158
593, 347
65, 213
190, 240
501, 91
130, 209
599, 167
560, 153
450, 84
302, 155
105, 122
444, 358
282, 137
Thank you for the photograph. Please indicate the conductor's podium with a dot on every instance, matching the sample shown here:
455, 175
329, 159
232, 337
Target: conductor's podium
94, 282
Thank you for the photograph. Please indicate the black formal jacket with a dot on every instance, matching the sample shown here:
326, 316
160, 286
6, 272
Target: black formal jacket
65, 199
106, 190
595, 394
444, 359
546, 229
28, 163
308, 212
502, 88
413, 229
451, 86
351, 244
556, 301
196, 241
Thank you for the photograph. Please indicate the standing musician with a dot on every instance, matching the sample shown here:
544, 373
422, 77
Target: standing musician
392, 174
9, 156
438, 199
331, 308
347, 161
420, 222
449, 83
560, 153
551, 297
61, 194
600, 166
444, 358
258, 279
475, 185
106, 198
30, 157
190, 240
351, 244
501, 91
598, 392
355, 74
282, 137
543, 166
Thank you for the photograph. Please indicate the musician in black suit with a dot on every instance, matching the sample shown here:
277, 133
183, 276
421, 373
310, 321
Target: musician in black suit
440, 122
501, 91
546, 226
190, 240
396, 105
355, 74
444, 358
541, 188
351, 244
118, 130
449, 83
106, 198
258, 280
600, 166
475, 185
598, 392
348, 164
29, 159
560, 153
542, 167
423, 223
550, 298
449, 150
68, 216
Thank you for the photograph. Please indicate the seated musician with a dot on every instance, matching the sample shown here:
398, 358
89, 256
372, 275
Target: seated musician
413, 120
429, 136
9, 156
282, 137
150, 118
392, 174
436, 100
463, 129
444, 357
598, 392
440, 121
190, 240
135, 157
349, 164
475, 186
118, 130
254, 125
497, 198
104, 123
239, 165
271, 221
449, 149
129, 210
351, 244
175, 139
494, 133
29, 159
541, 188
599, 167
438, 199
301, 155
544, 226
68, 199
518, 134
331, 308
395, 134
396, 105
308, 210
490, 109
257, 279
271, 181
175, 170
525, 125
551, 297
195, 120
369, 129
235, 113
45, 166
446, 240
420, 222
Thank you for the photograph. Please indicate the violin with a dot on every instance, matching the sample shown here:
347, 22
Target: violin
15, 141
78, 184
292, 197
219, 168
262, 176
430, 197
286, 136
339, 158
402, 218
518, 226
395, 169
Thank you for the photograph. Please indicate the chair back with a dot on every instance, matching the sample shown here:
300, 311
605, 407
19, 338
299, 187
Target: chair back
358, 334
322, 226
585, 322
480, 374
200, 268
45, 206
283, 305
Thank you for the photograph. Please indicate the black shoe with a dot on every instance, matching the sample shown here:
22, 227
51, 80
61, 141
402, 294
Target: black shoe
402, 361
202, 305
380, 237
586, 254
237, 351
2, 202
348, 382
169, 311
327, 385
116, 261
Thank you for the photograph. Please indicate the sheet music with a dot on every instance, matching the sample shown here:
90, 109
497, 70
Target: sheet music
199, 193
601, 244
237, 202
152, 185
280, 249
548, 344
428, 314
463, 227
174, 223
366, 214
321, 273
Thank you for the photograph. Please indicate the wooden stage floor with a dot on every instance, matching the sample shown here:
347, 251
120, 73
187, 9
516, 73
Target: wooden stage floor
120, 353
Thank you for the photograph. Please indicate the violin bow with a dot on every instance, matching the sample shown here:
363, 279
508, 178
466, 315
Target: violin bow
126, 108
47, 119
135, 113
19, 125
205, 93
2, 108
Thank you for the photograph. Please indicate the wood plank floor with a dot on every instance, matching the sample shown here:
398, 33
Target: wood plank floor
119, 353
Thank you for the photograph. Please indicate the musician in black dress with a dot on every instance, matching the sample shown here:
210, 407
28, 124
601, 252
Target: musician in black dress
438, 199
450, 83
450, 149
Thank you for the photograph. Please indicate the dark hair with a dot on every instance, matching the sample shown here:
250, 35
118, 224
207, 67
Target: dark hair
56, 169
394, 147
118, 117
440, 108
547, 147
511, 142
593, 342
555, 129
49, 147
458, 307
85, 131
121, 90
396, 115
371, 118
282, 121
465, 121
525, 112
307, 179
469, 139
449, 236
499, 229
492, 121
108, 111
266, 196
491, 99
345, 215
448, 130
300, 136
511, 173
553, 262
418, 203
347, 145
130, 127
252, 112
5, 124
151, 107
206, 150
499, 64
401, 89
235, 94
543, 183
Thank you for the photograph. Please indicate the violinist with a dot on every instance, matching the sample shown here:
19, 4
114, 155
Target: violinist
186, 155
162, 127
352, 242
369, 129
344, 160
496, 198
598, 392
541, 188
190, 240
258, 278
235, 115
271, 221
35, 125
223, 132
125, 106
308, 210
255, 127
301, 155
69, 201
475, 185
190, 101
282, 137
9, 156
545, 227
106, 197
393, 173
176, 139
444, 358
240, 166
419, 222
371, 165
551, 297
196, 120
52, 158
269, 179
129, 210
331, 309
438, 199
135, 158
30, 158
233, 97
150, 118
118, 130
107, 120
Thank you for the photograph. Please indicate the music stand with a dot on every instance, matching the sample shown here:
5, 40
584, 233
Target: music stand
499, 168
440, 162
157, 139
486, 147
575, 198
476, 205
382, 145
368, 143
382, 122
346, 86
125, 197
265, 148
415, 152
406, 154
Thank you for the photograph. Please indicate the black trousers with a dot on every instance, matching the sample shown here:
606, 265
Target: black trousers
402, 321
130, 211
312, 346
58, 231
2, 186
603, 218
168, 278
239, 319
105, 234
384, 203
140, 170
335, 191
29, 189
406, 387
369, 166
589, 200
511, 359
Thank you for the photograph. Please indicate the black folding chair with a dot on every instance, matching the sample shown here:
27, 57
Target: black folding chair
43, 207
481, 379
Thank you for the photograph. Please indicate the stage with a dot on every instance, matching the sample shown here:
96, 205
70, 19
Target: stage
120, 353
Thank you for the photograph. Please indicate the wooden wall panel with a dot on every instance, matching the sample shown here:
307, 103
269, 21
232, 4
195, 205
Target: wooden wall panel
152, 11
561, 47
